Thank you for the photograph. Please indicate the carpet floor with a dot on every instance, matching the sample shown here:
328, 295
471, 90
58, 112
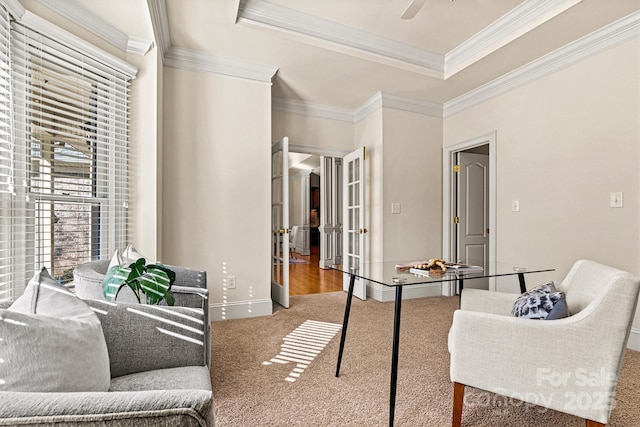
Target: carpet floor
280, 371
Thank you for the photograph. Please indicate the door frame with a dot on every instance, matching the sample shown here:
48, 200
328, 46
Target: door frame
448, 159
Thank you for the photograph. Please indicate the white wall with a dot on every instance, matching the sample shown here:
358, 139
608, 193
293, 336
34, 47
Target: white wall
564, 142
216, 186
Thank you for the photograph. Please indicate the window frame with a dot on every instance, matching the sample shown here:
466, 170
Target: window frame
19, 247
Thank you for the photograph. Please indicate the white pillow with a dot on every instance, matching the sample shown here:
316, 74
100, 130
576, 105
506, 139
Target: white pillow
52, 342
125, 258
130, 253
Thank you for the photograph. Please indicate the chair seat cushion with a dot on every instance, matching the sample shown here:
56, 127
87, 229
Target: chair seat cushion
182, 378
541, 302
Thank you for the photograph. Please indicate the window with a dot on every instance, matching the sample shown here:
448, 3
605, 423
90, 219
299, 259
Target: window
5, 156
64, 166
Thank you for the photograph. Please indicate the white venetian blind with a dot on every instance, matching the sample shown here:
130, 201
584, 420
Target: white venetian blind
70, 157
5, 154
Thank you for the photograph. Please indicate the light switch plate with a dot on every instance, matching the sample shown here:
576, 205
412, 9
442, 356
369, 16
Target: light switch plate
395, 208
515, 206
615, 200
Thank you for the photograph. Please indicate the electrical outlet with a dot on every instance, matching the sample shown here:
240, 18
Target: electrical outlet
231, 282
395, 208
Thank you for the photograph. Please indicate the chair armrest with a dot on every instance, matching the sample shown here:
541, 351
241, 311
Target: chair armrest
145, 337
188, 407
529, 359
487, 301
188, 296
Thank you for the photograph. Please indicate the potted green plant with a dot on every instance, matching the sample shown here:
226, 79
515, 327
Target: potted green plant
150, 283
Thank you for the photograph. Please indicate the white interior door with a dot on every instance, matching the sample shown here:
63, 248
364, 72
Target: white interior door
473, 213
280, 222
330, 211
354, 230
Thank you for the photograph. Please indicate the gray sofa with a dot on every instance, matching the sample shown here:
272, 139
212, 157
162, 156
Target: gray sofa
189, 289
159, 374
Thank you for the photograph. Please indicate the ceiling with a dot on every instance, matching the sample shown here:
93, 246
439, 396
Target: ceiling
339, 53
310, 41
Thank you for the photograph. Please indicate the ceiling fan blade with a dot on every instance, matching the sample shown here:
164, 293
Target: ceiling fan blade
412, 9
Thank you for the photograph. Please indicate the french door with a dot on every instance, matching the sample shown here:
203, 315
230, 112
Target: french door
354, 230
280, 222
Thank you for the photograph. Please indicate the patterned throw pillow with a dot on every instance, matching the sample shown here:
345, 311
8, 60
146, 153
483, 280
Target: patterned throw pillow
541, 302
52, 341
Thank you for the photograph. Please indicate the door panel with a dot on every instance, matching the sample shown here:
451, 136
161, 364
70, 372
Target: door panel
280, 222
330, 211
354, 230
473, 213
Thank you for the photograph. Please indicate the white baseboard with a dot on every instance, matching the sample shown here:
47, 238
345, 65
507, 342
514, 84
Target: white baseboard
387, 293
240, 309
634, 339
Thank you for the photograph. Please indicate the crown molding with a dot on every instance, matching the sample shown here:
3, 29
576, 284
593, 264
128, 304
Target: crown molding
377, 101
412, 105
160, 22
14, 8
387, 100
191, 60
54, 32
522, 19
336, 36
345, 39
618, 32
81, 16
84, 18
139, 46
367, 107
311, 109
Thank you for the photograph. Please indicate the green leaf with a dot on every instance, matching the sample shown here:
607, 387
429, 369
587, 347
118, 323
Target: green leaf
153, 280
168, 297
154, 283
113, 280
170, 273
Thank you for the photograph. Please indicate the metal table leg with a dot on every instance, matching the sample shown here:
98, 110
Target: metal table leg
345, 322
394, 355
523, 288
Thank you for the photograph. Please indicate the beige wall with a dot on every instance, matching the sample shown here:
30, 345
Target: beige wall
412, 177
312, 131
216, 184
564, 142
146, 156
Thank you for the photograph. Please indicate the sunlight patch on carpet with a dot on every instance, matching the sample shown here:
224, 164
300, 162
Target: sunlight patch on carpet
303, 345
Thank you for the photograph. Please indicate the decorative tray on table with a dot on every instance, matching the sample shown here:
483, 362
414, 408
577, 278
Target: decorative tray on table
436, 267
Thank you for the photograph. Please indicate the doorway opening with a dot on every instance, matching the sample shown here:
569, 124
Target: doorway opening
469, 205
311, 195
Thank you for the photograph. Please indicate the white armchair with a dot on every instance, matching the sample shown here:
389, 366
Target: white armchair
570, 365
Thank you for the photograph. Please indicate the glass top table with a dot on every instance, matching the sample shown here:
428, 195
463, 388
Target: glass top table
395, 273
399, 274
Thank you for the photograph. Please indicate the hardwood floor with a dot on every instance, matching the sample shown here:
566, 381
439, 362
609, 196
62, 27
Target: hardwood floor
308, 278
